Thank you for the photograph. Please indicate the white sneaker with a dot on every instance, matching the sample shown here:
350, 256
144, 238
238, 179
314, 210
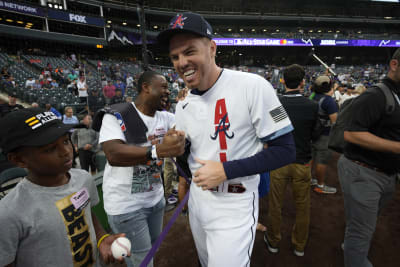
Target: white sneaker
298, 253
314, 182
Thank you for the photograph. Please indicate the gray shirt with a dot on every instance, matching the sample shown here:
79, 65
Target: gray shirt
83, 136
49, 226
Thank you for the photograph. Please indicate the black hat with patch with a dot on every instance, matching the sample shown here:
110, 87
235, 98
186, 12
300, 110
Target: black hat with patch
187, 22
30, 127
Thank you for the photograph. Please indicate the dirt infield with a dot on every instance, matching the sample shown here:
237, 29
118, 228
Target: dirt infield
326, 235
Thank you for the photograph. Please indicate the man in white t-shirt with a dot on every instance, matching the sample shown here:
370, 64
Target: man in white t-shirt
82, 89
132, 187
238, 129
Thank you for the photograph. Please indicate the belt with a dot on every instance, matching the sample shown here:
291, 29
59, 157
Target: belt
232, 188
367, 166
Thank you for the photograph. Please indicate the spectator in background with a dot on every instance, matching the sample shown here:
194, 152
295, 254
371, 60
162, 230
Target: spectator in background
118, 97
69, 117
72, 88
99, 65
85, 141
29, 83
37, 85
10, 106
121, 86
347, 94
359, 90
72, 77
34, 105
95, 101
303, 114
129, 81
4, 73
10, 81
103, 80
82, 89
54, 84
55, 111
323, 88
128, 99
108, 92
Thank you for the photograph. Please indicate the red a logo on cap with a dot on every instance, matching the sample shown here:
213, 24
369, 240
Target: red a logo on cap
179, 22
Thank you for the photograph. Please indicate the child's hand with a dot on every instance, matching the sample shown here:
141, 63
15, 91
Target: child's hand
105, 249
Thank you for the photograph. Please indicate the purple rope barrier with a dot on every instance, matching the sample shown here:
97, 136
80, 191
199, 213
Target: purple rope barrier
171, 221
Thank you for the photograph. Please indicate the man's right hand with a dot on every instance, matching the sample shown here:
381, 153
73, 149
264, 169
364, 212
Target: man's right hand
172, 145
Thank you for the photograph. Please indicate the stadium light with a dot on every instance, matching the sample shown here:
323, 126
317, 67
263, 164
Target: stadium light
264, 30
60, 7
20, 22
388, 17
109, 21
241, 30
137, 25
229, 30
319, 31
155, 27
124, 23
253, 30
277, 30
55, 6
9, 20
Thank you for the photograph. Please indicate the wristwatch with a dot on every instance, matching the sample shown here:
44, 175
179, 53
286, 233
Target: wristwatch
148, 153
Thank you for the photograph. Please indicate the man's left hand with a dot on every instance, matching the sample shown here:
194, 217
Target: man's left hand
210, 174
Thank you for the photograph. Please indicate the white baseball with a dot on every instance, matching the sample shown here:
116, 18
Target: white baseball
120, 247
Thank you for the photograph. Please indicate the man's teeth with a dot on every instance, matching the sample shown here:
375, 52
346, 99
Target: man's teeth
189, 72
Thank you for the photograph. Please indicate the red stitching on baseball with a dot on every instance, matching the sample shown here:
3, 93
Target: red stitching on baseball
123, 246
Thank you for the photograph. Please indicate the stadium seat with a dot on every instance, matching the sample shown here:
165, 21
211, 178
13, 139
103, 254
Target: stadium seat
9, 179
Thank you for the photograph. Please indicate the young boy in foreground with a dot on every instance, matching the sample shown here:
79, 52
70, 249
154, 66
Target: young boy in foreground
46, 219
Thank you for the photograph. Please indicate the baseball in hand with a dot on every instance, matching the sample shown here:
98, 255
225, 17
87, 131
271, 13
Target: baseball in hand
120, 247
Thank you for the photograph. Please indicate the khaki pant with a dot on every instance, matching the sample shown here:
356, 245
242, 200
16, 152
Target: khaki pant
299, 176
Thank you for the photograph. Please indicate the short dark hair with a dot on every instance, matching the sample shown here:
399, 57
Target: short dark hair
293, 76
146, 77
396, 54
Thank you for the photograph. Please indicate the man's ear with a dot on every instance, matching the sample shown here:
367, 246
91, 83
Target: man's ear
213, 48
146, 87
17, 159
394, 65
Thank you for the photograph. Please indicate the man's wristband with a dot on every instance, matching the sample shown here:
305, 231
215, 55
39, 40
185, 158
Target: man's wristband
148, 153
101, 239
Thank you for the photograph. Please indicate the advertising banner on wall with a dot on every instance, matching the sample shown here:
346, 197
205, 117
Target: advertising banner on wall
22, 8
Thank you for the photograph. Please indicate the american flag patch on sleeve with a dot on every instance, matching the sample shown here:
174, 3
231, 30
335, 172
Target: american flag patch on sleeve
278, 114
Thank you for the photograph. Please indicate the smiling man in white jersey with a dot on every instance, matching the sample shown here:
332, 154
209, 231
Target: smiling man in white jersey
227, 117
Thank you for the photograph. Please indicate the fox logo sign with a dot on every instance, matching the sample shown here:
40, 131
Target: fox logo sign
77, 18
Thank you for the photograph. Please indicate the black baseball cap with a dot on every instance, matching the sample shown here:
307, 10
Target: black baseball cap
187, 22
30, 127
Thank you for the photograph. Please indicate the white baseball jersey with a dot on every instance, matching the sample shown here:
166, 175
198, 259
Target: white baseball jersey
227, 123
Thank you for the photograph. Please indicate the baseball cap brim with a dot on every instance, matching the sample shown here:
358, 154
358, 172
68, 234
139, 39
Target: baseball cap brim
50, 135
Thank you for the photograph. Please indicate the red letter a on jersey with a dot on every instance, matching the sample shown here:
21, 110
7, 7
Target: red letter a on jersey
221, 122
